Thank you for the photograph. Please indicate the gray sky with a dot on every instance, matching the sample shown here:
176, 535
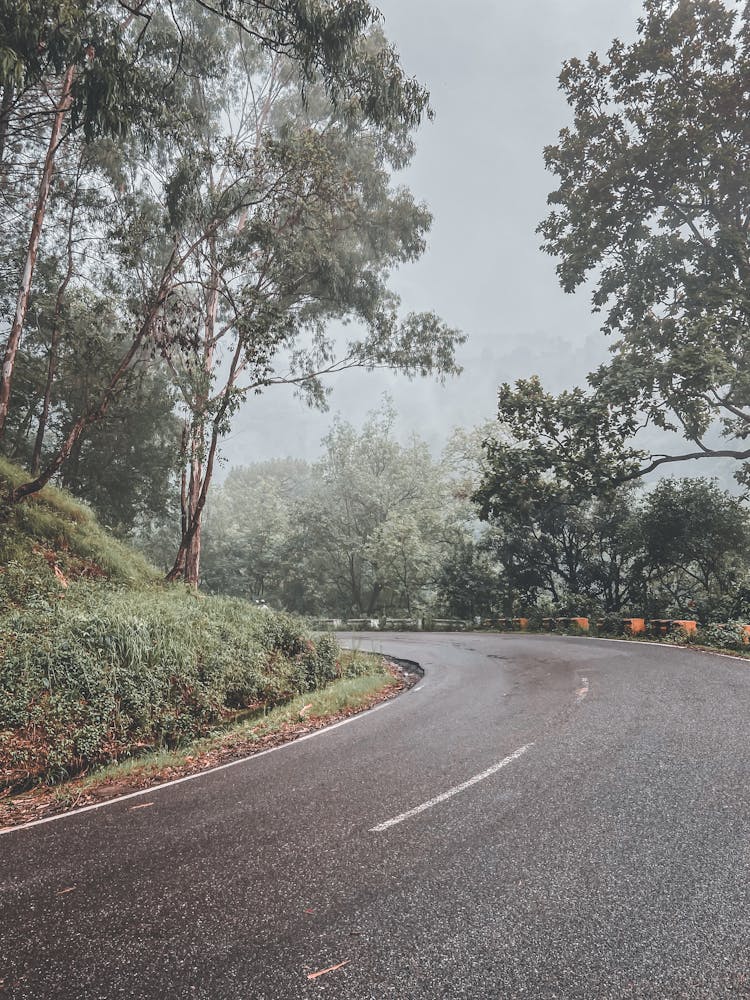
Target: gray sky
491, 66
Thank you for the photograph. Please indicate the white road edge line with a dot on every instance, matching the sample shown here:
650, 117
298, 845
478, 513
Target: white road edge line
452, 791
153, 789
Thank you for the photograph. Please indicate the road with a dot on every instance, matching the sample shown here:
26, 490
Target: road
541, 817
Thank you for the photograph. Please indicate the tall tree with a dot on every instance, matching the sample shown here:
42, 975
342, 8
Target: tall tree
285, 220
103, 67
653, 206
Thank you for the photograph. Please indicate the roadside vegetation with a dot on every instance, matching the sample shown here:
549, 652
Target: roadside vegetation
379, 529
100, 660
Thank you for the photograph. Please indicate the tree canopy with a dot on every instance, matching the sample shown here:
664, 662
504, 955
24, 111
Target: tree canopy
226, 225
652, 211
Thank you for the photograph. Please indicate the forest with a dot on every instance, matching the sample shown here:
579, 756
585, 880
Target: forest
202, 204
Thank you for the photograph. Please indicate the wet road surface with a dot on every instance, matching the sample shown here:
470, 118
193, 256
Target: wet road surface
541, 817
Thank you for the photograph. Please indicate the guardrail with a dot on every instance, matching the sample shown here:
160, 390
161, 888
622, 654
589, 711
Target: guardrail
657, 627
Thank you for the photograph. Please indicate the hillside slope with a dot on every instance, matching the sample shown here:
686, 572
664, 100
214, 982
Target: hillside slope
100, 660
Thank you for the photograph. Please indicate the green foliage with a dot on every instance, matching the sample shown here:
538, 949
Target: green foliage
104, 673
363, 530
651, 204
249, 522
97, 660
368, 536
468, 583
55, 530
694, 538
677, 551
720, 635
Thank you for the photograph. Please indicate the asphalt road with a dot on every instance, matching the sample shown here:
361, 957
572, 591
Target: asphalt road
603, 850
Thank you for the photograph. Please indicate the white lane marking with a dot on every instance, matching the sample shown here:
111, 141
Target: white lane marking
189, 777
583, 690
452, 791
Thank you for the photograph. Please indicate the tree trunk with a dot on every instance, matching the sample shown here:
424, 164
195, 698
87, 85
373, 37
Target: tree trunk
24, 291
193, 558
184, 515
180, 564
376, 591
188, 561
191, 572
5, 109
36, 458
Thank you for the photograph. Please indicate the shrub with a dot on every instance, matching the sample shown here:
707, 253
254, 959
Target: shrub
103, 673
723, 636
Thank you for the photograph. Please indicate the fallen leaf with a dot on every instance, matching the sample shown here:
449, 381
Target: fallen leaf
143, 805
62, 892
323, 972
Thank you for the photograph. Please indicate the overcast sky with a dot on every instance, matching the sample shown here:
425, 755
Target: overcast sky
491, 67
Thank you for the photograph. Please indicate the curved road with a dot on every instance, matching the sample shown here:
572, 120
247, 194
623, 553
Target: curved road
602, 849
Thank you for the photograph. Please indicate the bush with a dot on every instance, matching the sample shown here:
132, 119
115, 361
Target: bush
102, 673
722, 636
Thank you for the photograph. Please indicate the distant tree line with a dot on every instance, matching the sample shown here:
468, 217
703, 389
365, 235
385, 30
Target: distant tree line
378, 527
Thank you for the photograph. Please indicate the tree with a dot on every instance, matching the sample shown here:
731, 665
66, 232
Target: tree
266, 213
694, 538
363, 531
467, 582
677, 550
284, 219
251, 521
126, 465
653, 206
104, 67
370, 532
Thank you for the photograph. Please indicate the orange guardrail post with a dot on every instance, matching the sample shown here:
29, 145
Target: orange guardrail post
687, 626
635, 626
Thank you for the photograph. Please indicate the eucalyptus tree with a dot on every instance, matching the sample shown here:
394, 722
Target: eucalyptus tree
282, 210
75, 70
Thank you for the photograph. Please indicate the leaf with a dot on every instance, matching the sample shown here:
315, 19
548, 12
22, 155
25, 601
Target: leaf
324, 972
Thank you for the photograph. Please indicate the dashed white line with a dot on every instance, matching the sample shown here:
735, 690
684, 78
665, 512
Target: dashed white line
452, 791
583, 690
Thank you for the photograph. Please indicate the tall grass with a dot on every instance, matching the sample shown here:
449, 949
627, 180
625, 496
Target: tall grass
100, 660
104, 673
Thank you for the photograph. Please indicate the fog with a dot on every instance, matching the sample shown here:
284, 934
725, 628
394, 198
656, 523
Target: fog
492, 72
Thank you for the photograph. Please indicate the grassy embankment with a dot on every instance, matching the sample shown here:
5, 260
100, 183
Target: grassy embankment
102, 664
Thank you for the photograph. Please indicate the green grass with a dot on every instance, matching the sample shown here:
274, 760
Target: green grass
51, 529
347, 695
100, 660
